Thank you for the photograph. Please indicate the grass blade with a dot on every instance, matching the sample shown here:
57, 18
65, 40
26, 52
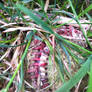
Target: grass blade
35, 18
75, 79
90, 80
22, 59
77, 20
66, 52
85, 11
47, 28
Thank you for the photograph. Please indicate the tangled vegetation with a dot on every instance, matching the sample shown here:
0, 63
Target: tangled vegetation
45, 46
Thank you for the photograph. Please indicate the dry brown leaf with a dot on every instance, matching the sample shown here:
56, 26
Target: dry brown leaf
18, 52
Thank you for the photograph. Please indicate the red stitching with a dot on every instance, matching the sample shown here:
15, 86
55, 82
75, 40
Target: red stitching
34, 68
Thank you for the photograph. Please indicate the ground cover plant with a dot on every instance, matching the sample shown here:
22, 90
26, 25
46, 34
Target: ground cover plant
45, 46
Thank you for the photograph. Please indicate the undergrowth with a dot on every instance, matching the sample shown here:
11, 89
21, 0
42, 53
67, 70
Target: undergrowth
61, 30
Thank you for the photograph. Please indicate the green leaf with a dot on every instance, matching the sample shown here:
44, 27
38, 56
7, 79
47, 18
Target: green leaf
75, 57
77, 20
3, 90
66, 52
65, 12
7, 41
35, 18
85, 11
71, 44
8, 46
89, 17
89, 33
4, 8
47, 28
60, 65
76, 78
20, 63
90, 80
